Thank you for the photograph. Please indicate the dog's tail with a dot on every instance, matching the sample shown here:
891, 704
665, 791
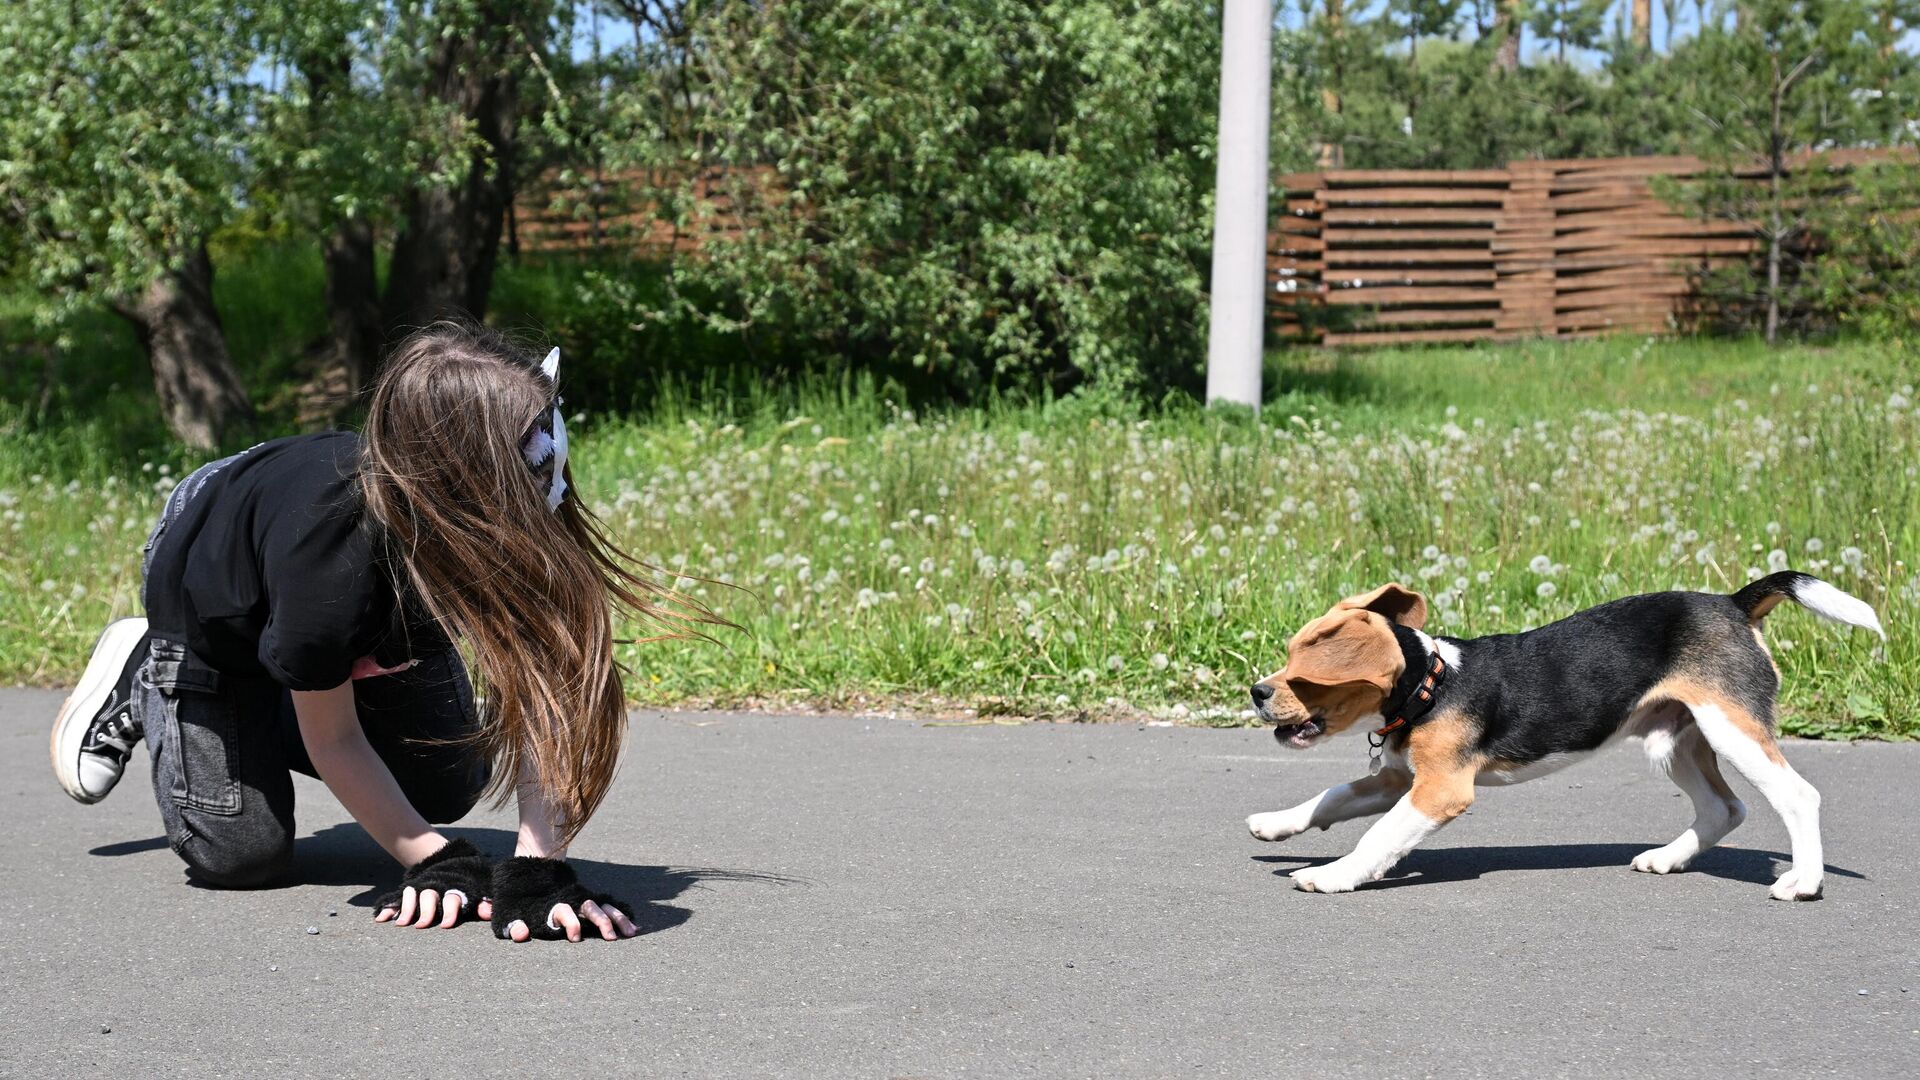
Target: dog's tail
1809, 592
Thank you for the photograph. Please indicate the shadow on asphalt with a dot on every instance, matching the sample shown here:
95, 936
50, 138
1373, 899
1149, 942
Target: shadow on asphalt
130, 847
1469, 863
344, 855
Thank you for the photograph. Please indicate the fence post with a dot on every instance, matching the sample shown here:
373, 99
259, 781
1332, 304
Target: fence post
1237, 324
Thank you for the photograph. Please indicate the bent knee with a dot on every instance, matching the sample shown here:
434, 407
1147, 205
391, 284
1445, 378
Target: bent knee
240, 862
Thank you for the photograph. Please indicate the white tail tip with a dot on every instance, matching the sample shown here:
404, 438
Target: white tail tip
1830, 603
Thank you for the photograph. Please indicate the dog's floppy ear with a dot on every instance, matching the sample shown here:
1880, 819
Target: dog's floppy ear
1346, 648
1396, 602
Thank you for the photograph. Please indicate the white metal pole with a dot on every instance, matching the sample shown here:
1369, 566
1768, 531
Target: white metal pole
1237, 327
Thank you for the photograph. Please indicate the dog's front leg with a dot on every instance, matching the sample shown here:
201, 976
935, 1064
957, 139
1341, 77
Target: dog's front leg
1364, 797
1434, 801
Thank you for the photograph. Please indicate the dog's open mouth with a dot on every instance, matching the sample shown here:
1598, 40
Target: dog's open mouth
1301, 735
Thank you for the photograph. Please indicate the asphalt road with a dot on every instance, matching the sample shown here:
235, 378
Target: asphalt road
883, 898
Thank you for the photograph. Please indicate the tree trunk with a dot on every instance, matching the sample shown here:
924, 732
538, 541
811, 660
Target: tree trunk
1506, 30
174, 318
1332, 153
344, 356
445, 253
1643, 23
354, 334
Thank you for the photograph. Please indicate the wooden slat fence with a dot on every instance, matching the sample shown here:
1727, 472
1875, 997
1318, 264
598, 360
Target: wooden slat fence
1539, 248
620, 213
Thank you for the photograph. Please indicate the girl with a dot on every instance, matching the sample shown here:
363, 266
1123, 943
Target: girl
302, 601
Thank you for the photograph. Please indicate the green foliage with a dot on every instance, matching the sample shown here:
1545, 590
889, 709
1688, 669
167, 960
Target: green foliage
1390, 101
1577, 24
1771, 93
1866, 275
992, 192
120, 129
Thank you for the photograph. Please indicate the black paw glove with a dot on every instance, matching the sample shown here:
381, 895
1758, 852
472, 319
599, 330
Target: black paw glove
459, 867
526, 889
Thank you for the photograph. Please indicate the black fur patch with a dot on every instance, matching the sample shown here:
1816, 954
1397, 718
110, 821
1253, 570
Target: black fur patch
1569, 686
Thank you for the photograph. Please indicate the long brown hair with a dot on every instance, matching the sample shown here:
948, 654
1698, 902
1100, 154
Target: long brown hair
530, 591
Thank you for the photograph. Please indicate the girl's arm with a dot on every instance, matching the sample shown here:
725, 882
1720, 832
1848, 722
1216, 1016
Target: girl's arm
539, 828
348, 765
540, 838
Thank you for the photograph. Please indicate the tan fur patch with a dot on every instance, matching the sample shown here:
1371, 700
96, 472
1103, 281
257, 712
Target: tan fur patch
1444, 766
1766, 604
1343, 648
1689, 691
1396, 602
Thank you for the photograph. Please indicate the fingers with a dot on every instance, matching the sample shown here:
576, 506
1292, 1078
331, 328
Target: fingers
407, 899
453, 901
592, 912
485, 911
563, 917
625, 925
611, 922
429, 906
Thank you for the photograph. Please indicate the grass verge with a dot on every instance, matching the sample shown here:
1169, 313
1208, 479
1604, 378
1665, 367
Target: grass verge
1087, 559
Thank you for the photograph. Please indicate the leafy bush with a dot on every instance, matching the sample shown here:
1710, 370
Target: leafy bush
991, 192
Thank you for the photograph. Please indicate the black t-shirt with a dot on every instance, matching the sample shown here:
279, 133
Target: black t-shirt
272, 569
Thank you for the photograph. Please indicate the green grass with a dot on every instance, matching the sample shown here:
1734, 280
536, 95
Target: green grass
1087, 560
1091, 559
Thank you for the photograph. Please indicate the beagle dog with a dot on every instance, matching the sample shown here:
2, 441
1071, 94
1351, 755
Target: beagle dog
1687, 672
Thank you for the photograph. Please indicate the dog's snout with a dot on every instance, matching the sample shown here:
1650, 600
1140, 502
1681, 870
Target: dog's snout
1262, 693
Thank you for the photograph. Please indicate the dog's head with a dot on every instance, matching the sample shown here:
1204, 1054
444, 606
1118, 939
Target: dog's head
1341, 667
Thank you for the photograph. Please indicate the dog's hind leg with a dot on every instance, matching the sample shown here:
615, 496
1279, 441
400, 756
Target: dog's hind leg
1690, 762
1747, 743
1364, 797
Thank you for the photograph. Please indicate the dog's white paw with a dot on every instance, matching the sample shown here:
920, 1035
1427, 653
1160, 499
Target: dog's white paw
1330, 878
1277, 825
1670, 859
1796, 885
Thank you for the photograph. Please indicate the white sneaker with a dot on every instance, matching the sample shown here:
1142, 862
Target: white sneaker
95, 732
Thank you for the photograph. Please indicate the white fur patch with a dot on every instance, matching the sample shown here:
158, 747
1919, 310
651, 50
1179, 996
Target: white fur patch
1660, 744
1330, 807
1384, 845
1795, 800
1830, 603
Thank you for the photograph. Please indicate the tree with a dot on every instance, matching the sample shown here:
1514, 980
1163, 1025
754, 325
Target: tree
1569, 23
984, 193
1416, 19
124, 132
1508, 28
1335, 30
469, 57
334, 156
1789, 80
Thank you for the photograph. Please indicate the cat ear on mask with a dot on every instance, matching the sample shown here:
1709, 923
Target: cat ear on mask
550, 367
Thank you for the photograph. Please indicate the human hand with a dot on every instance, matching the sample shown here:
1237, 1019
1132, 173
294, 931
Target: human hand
543, 898
440, 889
